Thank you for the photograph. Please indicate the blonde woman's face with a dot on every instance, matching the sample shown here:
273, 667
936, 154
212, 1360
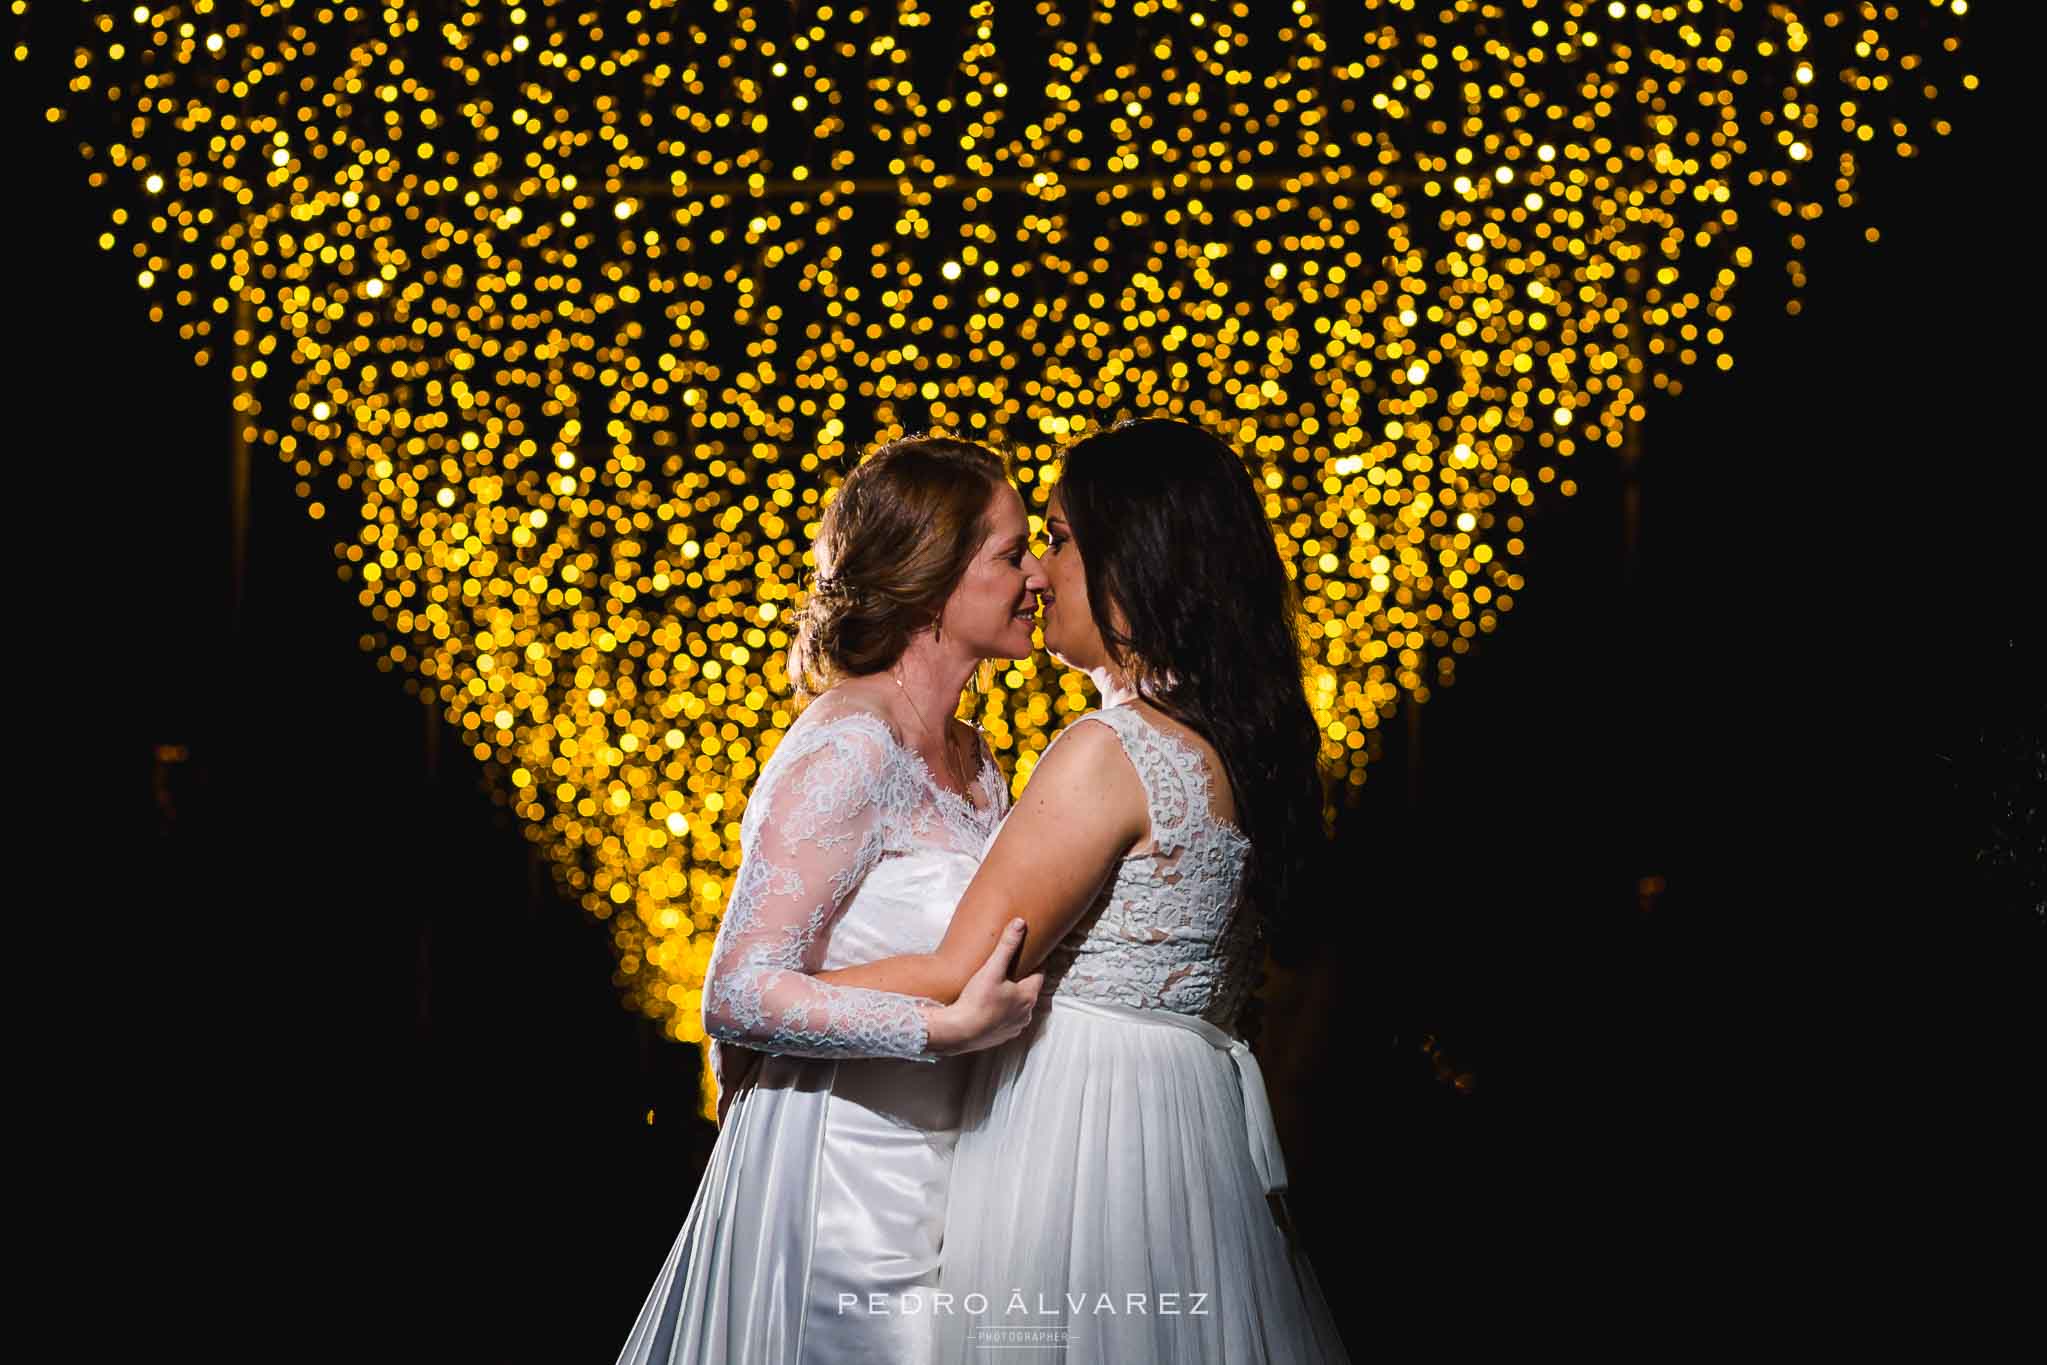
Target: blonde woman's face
994, 608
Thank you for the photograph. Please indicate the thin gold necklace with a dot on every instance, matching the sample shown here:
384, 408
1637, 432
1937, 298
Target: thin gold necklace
951, 761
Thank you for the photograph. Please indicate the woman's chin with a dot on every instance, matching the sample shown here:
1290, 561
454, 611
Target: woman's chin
1007, 646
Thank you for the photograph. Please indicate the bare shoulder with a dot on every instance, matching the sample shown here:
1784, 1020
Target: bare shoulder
1091, 734
1087, 756
1086, 776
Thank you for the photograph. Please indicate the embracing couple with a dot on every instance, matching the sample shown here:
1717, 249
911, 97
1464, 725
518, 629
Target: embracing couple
921, 1159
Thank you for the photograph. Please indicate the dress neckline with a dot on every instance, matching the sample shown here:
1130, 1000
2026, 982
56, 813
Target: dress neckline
939, 789
959, 800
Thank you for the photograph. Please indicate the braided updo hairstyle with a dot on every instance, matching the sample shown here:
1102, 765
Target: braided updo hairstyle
891, 548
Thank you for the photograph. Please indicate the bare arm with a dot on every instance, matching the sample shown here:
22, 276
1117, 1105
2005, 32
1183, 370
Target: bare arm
1083, 810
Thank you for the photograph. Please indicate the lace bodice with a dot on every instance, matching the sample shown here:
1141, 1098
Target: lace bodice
839, 797
1170, 930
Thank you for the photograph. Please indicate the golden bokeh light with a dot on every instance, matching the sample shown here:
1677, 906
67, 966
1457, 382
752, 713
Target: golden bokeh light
568, 316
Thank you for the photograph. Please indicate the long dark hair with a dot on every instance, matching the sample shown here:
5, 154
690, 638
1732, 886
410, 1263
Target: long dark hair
1172, 532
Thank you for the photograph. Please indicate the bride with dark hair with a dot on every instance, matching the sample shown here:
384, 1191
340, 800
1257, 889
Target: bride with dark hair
839, 1106
1117, 1181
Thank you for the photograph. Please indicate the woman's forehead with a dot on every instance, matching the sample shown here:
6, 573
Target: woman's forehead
1007, 511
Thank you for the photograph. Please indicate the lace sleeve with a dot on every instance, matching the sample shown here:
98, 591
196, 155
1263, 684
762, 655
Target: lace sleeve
801, 858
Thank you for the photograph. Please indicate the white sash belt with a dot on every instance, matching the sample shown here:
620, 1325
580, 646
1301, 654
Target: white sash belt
1250, 1080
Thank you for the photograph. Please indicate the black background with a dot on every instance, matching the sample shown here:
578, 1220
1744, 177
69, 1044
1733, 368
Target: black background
349, 1075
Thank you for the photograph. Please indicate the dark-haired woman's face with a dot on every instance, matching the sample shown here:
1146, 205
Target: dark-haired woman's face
992, 611
1071, 634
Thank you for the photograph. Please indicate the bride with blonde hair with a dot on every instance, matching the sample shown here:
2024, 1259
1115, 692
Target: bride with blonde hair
839, 1105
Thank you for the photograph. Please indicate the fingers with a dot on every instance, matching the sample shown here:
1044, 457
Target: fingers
1004, 950
1012, 944
1004, 1007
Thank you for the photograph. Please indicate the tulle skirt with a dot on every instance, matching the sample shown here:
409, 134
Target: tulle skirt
1117, 1198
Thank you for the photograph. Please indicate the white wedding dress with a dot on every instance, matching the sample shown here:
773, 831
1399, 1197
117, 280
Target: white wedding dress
818, 1221
1110, 1185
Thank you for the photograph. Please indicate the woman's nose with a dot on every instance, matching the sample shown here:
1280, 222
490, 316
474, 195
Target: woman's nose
1035, 578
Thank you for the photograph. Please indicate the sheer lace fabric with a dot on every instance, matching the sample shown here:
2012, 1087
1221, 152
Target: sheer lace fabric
829, 1181
1169, 931
838, 796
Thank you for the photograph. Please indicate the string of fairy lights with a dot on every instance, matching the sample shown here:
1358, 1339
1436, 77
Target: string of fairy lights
569, 315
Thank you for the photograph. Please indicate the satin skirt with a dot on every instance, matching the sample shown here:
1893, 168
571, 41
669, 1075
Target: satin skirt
1117, 1199
816, 1232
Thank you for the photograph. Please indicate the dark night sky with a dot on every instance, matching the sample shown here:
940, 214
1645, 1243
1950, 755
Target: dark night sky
360, 1071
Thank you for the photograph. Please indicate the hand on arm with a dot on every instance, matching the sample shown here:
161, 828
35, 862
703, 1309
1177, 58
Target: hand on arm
1082, 811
